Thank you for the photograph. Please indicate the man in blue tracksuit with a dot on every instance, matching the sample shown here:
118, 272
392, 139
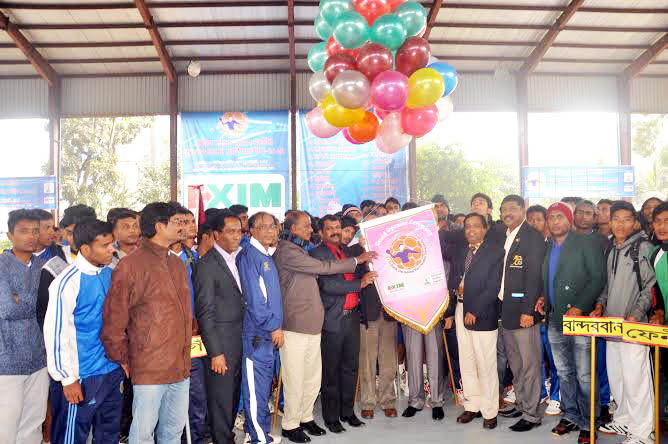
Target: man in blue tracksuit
261, 326
89, 391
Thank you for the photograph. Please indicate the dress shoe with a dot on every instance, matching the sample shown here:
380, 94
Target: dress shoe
390, 413
296, 435
410, 412
523, 426
367, 414
352, 420
467, 417
489, 423
513, 413
437, 413
335, 427
584, 437
564, 427
605, 416
312, 428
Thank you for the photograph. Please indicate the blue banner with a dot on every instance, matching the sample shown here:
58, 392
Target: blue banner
28, 192
608, 181
240, 158
333, 172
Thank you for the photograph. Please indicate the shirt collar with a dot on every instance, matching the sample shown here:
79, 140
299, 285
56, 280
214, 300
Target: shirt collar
256, 243
227, 256
86, 267
475, 247
155, 248
515, 231
39, 253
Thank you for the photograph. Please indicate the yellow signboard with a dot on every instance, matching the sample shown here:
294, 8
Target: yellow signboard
646, 334
197, 349
609, 327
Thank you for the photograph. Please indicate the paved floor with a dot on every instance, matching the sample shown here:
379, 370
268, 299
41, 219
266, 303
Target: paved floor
422, 429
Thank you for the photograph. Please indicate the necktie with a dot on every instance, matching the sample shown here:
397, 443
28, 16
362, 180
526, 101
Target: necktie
469, 258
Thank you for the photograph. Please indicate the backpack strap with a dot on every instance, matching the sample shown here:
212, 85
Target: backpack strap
635, 253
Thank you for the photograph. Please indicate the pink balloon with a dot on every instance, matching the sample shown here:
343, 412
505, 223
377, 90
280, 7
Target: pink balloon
391, 133
346, 134
381, 113
381, 147
389, 90
419, 121
318, 126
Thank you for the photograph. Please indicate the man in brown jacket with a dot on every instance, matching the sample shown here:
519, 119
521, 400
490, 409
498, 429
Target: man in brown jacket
303, 316
148, 328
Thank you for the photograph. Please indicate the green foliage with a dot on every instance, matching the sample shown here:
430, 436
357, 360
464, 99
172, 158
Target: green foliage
153, 185
89, 160
646, 136
446, 170
5, 244
645, 133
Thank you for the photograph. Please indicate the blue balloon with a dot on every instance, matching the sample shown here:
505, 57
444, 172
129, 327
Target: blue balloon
449, 74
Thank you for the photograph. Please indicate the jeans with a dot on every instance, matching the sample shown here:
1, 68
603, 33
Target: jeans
165, 405
602, 372
554, 376
572, 357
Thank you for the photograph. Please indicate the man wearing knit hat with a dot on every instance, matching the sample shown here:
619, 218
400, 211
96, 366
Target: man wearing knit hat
574, 276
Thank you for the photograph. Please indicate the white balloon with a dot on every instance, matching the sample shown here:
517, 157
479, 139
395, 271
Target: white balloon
445, 108
319, 86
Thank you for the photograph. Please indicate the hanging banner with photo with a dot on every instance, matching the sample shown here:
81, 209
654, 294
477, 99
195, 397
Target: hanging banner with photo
333, 172
28, 192
411, 279
238, 158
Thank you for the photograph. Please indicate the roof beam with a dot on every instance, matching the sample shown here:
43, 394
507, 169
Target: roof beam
548, 39
34, 57
431, 19
646, 58
160, 47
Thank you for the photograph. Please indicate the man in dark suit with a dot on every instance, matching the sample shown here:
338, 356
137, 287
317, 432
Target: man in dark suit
521, 286
219, 311
341, 329
475, 278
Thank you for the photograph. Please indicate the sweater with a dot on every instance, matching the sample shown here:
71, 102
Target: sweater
21, 342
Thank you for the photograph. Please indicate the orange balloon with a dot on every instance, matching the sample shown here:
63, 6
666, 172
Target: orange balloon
366, 129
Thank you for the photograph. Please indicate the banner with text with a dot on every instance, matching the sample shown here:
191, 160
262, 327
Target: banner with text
28, 192
333, 172
238, 158
608, 181
411, 279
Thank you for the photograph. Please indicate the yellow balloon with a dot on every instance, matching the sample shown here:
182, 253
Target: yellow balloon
339, 116
426, 86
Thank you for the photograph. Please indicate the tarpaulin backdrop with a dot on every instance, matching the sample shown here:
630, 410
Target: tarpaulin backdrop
239, 158
411, 279
333, 172
28, 192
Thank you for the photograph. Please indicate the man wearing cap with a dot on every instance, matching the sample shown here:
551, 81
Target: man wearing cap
573, 276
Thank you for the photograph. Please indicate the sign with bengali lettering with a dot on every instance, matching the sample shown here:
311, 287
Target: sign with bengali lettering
28, 192
197, 349
646, 334
609, 327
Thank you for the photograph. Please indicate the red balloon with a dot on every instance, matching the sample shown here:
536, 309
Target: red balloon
336, 64
349, 138
373, 58
364, 130
333, 47
413, 55
419, 121
372, 9
394, 3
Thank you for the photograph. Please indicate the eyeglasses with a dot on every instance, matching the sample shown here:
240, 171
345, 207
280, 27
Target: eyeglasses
266, 227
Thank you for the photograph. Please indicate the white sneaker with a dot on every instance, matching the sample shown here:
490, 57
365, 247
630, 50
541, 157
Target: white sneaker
553, 408
545, 399
510, 396
275, 438
247, 438
614, 428
239, 422
635, 440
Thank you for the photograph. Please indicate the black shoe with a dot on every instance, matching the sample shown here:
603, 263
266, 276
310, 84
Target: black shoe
514, 413
410, 412
352, 420
523, 426
585, 436
564, 427
312, 428
605, 416
335, 427
437, 413
296, 435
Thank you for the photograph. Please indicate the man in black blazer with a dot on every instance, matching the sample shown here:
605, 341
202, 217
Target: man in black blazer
340, 341
521, 286
475, 278
219, 308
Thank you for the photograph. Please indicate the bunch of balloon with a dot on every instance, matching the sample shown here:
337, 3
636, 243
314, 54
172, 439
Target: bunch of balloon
373, 74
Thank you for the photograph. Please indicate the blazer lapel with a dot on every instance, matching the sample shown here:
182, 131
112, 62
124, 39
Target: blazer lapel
226, 269
516, 244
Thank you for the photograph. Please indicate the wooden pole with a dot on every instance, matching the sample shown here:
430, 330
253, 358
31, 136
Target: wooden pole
657, 396
452, 375
277, 397
357, 387
592, 391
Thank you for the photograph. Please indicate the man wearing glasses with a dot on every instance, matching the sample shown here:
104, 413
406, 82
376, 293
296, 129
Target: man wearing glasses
262, 324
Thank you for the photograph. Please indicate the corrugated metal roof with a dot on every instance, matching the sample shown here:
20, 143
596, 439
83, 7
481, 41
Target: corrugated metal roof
649, 95
24, 98
551, 93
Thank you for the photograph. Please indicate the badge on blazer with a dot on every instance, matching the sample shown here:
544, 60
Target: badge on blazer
517, 261
266, 266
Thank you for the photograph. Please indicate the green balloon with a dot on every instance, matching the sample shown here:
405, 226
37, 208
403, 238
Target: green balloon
317, 56
388, 31
331, 10
413, 16
351, 30
322, 28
